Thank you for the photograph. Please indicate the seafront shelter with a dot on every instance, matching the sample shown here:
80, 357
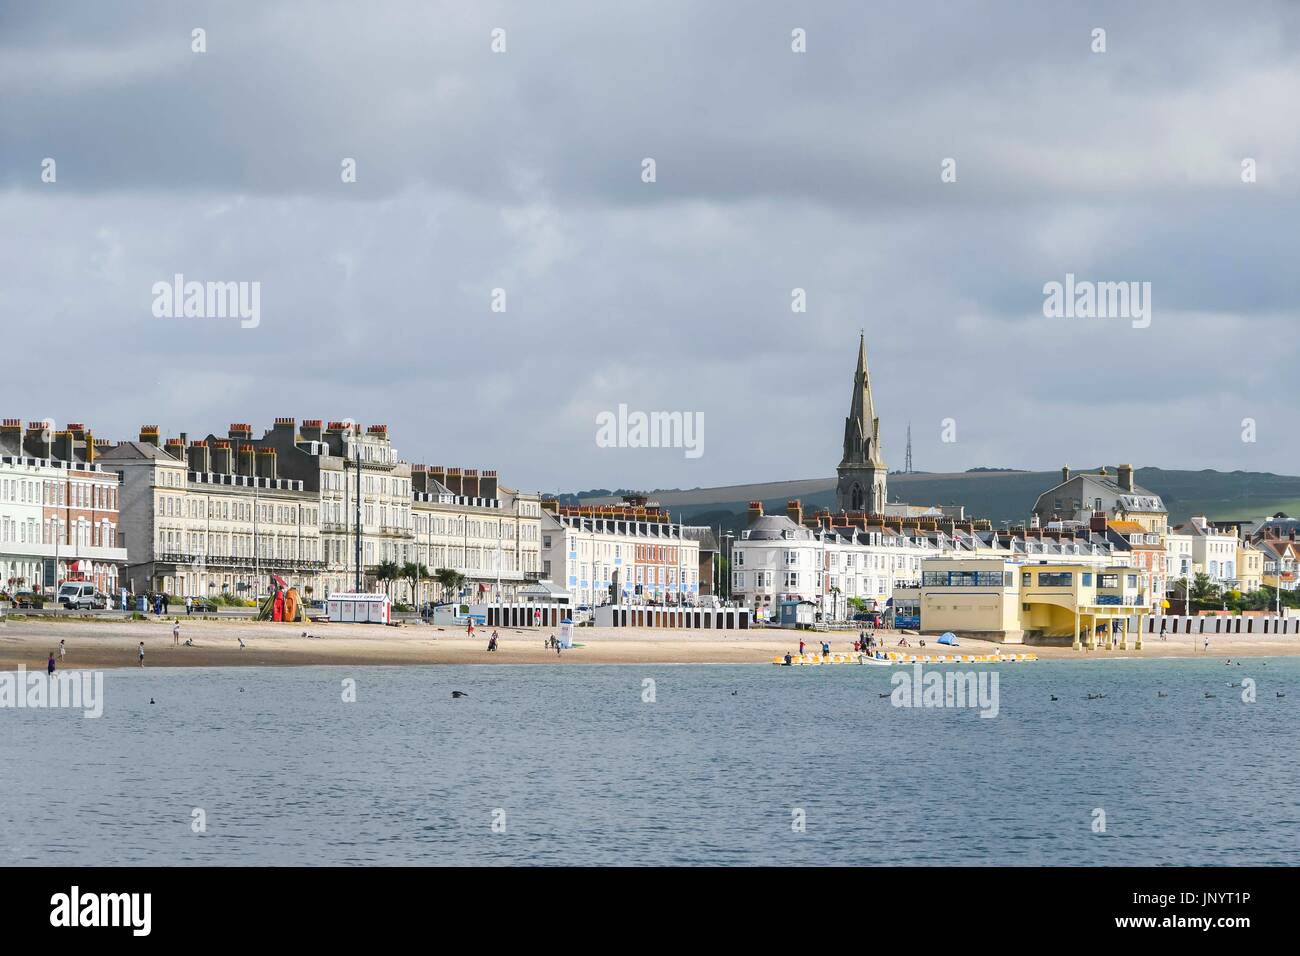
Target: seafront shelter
1081, 603
1048, 602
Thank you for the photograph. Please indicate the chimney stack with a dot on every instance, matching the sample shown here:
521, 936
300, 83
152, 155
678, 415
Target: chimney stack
176, 448
487, 487
63, 450
200, 457
453, 481
246, 461
241, 430
11, 437
1065, 474
311, 429
40, 440
794, 510
221, 457
469, 482
266, 459
755, 511
419, 479
437, 473
149, 435
1126, 477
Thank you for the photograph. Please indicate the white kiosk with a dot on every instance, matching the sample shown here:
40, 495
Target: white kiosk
354, 608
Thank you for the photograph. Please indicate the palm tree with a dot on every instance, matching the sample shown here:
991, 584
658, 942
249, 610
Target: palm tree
414, 572
387, 572
449, 579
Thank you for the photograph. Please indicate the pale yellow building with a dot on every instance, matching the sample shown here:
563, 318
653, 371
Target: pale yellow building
1015, 603
1250, 567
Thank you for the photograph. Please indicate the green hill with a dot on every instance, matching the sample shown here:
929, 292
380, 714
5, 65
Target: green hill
995, 494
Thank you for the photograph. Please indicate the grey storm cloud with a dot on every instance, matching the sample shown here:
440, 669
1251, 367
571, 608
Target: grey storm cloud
775, 170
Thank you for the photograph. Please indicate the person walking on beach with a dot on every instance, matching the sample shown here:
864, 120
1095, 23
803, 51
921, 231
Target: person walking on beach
176, 633
801, 647
189, 606
62, 646
49, 665
142, 653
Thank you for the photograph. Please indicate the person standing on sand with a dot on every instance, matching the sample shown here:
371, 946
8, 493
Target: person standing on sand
62, 647
142, 653
801, 647
176, 633
189, 605
49, 665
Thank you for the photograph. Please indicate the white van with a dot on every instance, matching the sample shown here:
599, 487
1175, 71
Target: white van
77, 596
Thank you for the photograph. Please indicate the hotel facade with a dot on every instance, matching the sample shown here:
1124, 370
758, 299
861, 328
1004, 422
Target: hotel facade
828, 562
222, 514
59, 510
212, 518
623, 554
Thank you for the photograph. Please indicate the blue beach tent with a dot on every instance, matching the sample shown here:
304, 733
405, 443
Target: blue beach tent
949, 638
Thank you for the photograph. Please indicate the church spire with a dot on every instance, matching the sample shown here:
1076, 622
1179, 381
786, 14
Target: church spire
862, 428
863, 482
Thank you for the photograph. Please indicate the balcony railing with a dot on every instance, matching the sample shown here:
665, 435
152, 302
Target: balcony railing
238, 561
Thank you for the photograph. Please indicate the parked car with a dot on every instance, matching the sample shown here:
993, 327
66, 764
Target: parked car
101, 600
202, 605
77, 596
28, 599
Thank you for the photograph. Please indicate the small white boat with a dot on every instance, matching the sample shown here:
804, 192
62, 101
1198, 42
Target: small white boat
875, 662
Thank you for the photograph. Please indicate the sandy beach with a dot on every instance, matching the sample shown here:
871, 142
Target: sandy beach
113, 643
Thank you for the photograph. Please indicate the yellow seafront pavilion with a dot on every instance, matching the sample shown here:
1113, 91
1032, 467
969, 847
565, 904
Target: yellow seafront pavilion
1043, 602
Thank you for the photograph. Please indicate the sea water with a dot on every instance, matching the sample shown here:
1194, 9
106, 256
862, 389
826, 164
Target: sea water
652, 764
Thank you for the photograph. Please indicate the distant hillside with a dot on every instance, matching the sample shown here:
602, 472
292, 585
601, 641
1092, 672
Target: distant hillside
1000, 495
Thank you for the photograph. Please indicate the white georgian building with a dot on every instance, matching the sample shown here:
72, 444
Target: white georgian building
633, 552
777, 558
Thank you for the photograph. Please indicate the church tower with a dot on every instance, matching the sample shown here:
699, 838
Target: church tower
862, 484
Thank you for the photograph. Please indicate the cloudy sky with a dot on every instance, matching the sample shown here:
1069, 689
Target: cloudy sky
775, 170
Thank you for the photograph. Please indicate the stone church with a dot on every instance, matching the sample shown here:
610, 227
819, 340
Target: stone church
862, 472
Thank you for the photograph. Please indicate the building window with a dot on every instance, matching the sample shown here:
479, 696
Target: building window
1055, 579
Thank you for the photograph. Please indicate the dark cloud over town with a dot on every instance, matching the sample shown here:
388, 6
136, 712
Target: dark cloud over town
775, 171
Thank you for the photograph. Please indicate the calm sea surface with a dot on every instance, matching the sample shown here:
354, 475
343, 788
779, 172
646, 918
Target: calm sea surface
582, 771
